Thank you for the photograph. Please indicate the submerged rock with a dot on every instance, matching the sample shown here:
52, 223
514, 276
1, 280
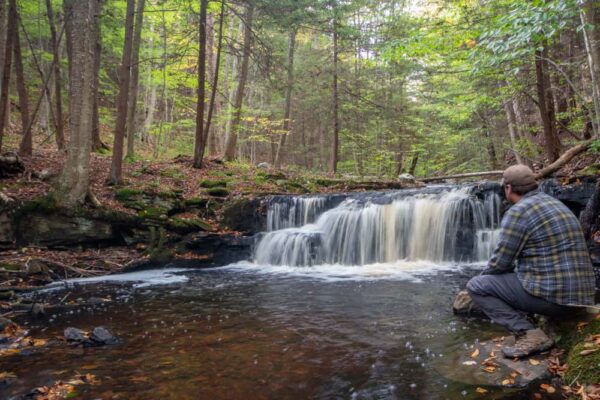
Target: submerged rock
76, 335
101, 335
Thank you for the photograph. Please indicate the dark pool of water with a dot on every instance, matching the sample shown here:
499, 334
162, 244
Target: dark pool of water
235, 335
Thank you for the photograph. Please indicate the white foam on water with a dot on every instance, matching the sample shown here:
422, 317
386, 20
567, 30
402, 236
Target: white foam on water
403, 270
144, 278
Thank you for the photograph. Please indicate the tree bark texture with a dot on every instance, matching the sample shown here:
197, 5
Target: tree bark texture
201, 100
336, 117
546, 106
4, 100
26, 146
3, 30
116, 168
135, 78
73, 183
511, 120
230, 145
58, 115
288, 97
590, 16
96, 140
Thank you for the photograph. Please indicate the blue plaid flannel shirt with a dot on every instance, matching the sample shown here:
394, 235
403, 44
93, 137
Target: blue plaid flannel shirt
542, 241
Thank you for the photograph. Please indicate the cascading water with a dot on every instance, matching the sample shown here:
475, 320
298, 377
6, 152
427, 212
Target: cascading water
448, 226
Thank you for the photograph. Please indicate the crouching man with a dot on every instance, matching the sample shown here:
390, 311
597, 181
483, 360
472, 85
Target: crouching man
541, 265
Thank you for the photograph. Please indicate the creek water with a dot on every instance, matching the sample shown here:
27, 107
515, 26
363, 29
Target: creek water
367, 321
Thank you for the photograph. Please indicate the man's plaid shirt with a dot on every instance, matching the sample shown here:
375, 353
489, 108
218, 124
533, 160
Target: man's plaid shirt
543, 240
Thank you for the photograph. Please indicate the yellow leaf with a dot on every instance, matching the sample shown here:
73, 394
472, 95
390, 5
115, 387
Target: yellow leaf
548, 388
587, 352
490, 369
506, 382
534, 362
38, 342
481, 390
475, 353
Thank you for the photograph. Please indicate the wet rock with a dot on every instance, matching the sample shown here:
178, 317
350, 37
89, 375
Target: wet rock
76, 335
37, 310
45, 175
264, 165
463, 305
245, 215
101, 335
406, 178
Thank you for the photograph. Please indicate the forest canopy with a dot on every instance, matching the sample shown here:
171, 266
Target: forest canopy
366, 88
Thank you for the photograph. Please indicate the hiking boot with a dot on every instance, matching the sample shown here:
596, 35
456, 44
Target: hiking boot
531, 342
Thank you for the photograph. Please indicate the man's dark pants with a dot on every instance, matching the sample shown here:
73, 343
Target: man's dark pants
504, 300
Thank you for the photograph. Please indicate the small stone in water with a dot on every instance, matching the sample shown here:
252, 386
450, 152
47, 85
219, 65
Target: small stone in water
413, 385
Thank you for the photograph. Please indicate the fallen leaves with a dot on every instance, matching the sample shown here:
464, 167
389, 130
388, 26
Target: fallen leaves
548, 388
63, 390
6, 377
475, 354
470, 362
533, 361
588, 352
481, 390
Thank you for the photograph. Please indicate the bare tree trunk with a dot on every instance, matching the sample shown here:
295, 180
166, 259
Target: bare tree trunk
96, 140
4, 100
336, 117
546, 106
26, 146
288, 96
590, 16
135, 77
511, 120
201, 100
215, 85
413, 164
150, 107
116, 168
3, 30
230, 145
73, 183
60, 135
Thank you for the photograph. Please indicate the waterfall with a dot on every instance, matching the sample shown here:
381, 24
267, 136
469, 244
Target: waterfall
453, 225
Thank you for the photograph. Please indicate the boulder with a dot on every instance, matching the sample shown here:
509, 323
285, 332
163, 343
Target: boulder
463, 305
61, 230
244, 215
76, 335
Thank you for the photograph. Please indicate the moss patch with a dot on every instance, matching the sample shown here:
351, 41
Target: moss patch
153, 213
43, 204
187, 225
126, 194
583, 369
208, 184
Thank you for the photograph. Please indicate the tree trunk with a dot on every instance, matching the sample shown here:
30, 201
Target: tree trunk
511, 120
230, 145
336, 117
135, 77
26, 147
3, 30
413, 164
590, 19
201, 100
116, 168
215, 85
96, 140
73, 183
4, 100
58, 115
288, 96
546, 106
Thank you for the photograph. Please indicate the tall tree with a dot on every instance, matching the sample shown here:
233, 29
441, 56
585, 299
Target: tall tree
590, 19
135, 77
199, 142
3, 26
97, 143
60, 135
26, 146
231, 143
73, 183
288, 96
4, 100
546, 105
336, 100
116, 167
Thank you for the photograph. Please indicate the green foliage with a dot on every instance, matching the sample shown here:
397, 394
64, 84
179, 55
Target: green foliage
218, 192
206, 183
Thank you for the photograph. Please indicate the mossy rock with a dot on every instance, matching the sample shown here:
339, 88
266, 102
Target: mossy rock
209, 184
126, 194
324, 182
185, 225
274, 176
154, 213
43, 204
218, 192
196, 202
9, 267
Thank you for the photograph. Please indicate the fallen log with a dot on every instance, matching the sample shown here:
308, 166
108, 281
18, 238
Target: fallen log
541, 174
458, 176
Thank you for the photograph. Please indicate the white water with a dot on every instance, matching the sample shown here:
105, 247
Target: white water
420, 230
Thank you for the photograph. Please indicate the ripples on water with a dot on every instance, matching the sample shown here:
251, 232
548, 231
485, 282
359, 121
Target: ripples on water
246, 334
